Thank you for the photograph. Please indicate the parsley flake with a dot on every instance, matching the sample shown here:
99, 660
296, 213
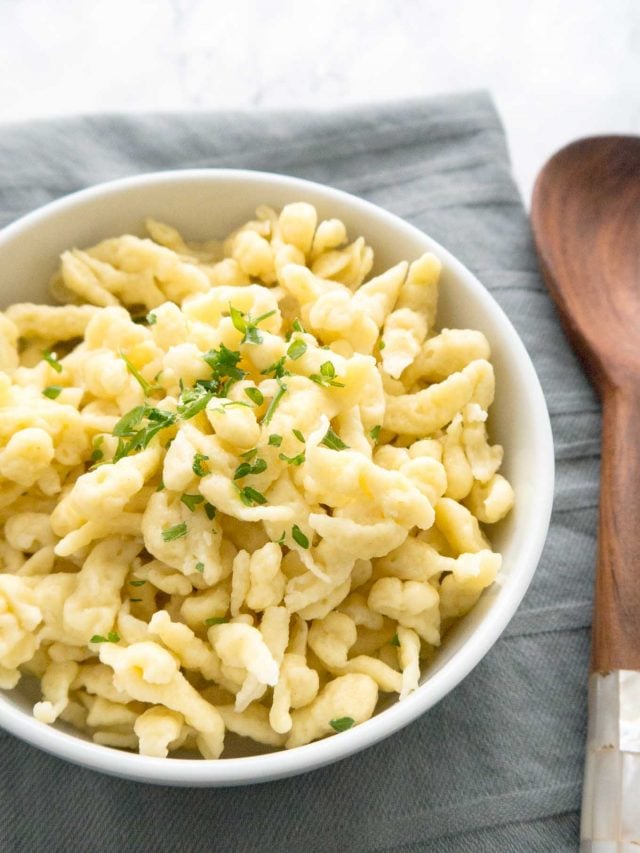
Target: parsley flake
327, 376
151, 318
250, 496
52, 391
273, 405
197, 467
192, 401
177, 531
52, 360
255, 395
297, 326
249, 327
293, 460
135, 600
333, 441
296, 349
215, 620
147, 387
298, 435
137, 583
199, 567
375, 432
275, 440
299, 536
191, 501
246, 468
112, 637
341, 724
277, 369
395, 640
210, 511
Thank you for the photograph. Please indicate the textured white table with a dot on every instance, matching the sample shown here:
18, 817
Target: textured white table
557, 70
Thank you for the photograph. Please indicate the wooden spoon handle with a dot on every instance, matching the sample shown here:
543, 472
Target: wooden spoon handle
616, 618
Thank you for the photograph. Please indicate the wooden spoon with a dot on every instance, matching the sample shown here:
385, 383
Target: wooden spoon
586, 224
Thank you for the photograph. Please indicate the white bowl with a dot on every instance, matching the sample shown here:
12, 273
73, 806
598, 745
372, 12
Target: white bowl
206, 203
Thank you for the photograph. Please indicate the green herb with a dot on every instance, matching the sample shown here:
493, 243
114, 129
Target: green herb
210, 510
112, 637
224, 368
199, 567
280, 541
52, 359
147, 387
255, 395
250, 496
296, 349
381, 345
374, 432
192, 401
139, 434
243, 323
326, 376
341, 724
298, 435
293, 460
333, 441
97, 454
197, 466
249, 454
273, 405
299, 536
394, 641
246, 468
160, 487
191, 501
275, 440
52, 391
297, 326
277, 369
151, 318
137, 583
135, 600
177, 531
215, 620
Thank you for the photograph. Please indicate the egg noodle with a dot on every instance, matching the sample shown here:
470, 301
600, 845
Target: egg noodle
241, 485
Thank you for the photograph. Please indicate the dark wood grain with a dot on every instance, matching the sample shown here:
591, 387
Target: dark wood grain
586, 223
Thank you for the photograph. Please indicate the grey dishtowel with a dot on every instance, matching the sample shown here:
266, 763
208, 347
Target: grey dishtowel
497, 765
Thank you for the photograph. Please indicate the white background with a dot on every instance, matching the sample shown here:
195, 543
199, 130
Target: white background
558, 69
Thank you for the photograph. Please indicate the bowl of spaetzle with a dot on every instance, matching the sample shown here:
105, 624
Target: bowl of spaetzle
275, 473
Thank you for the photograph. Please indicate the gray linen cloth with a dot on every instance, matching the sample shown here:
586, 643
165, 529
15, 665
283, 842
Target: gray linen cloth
495, 766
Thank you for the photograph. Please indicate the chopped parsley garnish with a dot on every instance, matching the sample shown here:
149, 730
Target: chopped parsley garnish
250, 496
112, 637
299, 537
249, 327
137, 583
215, 620
293, 460
199, 567
297, 326
147, 387
97, 454
225, 371
381, 345
296, 349
135, 600
210, 510
275, 440
151, 318
134, 434
177, 531
160, 487
198, 469
192, 401
191, 501
327, 376
298, 435
52, 391
52, 360
333, 441
374, 432
255, 395
246, 468
394, 641
273, 405
277, 369
283, 536
341, 724
249, 454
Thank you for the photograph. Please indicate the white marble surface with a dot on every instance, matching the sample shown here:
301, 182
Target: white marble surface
558, 69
